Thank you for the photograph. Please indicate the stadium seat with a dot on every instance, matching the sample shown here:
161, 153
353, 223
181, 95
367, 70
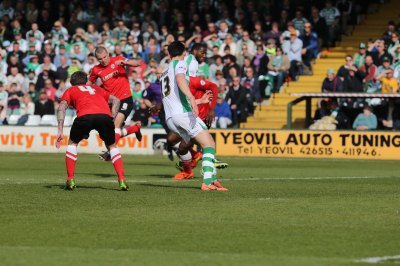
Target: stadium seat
13, 119
48, 120
68, 121
33, 120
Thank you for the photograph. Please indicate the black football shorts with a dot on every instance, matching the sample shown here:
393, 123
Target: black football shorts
101, 122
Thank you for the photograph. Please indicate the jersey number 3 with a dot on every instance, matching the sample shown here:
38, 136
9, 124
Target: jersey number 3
87, 89
165, 86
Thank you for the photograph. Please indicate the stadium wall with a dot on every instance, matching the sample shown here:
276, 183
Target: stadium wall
257, 143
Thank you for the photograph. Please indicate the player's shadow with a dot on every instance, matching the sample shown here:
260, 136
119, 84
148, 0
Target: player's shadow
62, 187
167, 186
160, 176
148, 164
100, 175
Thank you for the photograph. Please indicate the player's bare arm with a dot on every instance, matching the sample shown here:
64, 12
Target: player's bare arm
183, 85
62, 108
115, 102
129, 62
210, 117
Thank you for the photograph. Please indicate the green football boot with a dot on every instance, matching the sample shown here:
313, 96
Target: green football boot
123, 186
220, 165
70, 185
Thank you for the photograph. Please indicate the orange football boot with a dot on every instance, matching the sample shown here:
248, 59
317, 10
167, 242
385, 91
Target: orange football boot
219, 187
183, 175
204, 187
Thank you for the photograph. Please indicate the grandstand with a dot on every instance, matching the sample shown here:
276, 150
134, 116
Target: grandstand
273, 114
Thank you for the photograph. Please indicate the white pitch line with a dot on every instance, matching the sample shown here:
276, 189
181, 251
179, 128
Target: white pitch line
374, 260
85, 181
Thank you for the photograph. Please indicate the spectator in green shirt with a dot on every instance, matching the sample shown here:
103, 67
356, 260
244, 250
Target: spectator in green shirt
366, 120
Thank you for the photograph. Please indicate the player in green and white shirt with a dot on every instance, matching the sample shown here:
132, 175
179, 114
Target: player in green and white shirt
195, 60
181, 113
192, 64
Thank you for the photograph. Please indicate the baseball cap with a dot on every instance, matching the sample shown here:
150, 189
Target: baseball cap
330, 71
362, 46
220, 95
385, 59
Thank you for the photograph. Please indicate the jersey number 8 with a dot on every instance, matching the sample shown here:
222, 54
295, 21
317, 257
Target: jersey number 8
87, 89
165, 86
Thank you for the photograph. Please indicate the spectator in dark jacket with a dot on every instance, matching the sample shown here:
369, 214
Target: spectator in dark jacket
236, 97
310, 45
318, 24
44, 106
353, 80
250, 82
332, 83
260, 61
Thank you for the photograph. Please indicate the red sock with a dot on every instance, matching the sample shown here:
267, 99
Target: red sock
187, 166
70, 161
116, 159
193, 153
117, 135
132, 129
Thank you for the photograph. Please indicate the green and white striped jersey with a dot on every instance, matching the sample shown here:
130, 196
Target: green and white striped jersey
193, 65
174, 100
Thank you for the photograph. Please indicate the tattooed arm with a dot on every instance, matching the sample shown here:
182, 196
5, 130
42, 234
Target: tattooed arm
60, 119
114, 101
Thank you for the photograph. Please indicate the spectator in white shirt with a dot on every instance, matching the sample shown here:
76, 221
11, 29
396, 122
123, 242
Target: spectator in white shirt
91, 62
229, 42
15, 77
293, 50
3, 66
35, 30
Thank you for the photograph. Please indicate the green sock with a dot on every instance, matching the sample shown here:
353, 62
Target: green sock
214, 176
208, 165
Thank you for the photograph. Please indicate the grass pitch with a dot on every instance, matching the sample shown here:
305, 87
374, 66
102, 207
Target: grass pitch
277, 212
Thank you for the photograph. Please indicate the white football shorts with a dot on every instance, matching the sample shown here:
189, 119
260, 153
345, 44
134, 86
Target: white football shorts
186, 125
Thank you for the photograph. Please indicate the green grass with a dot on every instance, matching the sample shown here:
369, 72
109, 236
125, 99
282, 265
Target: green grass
277, 212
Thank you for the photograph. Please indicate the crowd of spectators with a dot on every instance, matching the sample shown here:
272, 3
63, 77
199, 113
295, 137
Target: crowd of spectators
375, 68
253, 46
